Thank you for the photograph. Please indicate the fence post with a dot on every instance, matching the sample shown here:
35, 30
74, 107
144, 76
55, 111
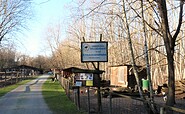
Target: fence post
78, 97
11, 75
161, 110
75, 96
68, 88
76, 91
16, 77
110, 102
88, 95
5, 78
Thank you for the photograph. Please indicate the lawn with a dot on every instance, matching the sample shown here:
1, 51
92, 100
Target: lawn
57, 100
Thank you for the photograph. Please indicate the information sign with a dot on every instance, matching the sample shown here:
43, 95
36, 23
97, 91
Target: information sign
94, 51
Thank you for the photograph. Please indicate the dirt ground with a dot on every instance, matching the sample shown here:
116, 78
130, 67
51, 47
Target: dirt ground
119, 105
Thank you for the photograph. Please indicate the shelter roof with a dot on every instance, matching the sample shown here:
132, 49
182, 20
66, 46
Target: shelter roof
79, 70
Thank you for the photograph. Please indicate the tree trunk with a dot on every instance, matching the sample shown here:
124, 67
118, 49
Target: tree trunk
169, 50
171, 80
169, 43
132, 53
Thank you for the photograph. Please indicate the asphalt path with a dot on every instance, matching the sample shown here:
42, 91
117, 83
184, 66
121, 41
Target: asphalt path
26, 99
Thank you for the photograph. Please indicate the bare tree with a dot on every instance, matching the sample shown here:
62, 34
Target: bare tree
107, 17
7, 57
13, 15
169, 42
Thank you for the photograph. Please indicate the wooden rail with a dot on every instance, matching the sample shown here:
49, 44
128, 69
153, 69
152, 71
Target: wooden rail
8, 78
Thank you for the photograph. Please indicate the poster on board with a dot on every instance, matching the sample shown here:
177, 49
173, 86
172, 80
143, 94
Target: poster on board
86, 76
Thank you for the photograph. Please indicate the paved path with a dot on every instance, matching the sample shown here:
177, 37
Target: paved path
26, 99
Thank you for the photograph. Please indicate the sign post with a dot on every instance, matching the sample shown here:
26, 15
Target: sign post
95, 52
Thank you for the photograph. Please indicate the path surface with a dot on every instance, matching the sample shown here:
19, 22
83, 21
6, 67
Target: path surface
26, 99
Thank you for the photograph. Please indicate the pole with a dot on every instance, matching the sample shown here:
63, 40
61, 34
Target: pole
99, 83
78, 97
110, 102
88, 100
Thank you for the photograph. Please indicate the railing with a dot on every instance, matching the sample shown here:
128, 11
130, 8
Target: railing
8, 78
66, 85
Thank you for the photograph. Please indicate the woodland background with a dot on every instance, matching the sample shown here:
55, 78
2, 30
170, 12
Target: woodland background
89, 19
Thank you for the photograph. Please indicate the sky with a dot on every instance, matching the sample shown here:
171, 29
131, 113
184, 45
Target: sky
45, 12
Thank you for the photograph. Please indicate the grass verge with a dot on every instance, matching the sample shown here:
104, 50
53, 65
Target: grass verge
57, 100
7, 89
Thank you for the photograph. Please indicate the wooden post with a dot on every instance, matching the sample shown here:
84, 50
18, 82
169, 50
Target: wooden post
5, 78
11, 75
16, 77
88, 100
99, 94
78, 95
162, 110
68, 89
99, 83
110, 102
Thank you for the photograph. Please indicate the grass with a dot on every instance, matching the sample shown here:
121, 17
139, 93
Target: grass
57, 100
7, 89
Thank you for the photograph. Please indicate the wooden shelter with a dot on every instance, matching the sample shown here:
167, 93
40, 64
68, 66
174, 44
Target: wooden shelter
122, 75
75, 74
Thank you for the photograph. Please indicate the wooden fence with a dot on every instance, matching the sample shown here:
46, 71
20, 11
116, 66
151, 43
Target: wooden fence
8, 78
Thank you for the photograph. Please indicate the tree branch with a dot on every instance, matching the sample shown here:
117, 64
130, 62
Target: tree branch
180, 20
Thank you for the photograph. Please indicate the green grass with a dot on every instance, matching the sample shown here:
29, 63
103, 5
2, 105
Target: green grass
7, 89
57, 100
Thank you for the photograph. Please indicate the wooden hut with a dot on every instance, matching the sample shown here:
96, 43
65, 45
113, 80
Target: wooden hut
123, 76
74, 74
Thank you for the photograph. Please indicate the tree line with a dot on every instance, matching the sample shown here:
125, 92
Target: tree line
155, 24
14, 15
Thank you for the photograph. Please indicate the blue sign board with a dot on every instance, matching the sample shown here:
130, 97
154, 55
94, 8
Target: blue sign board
94, 51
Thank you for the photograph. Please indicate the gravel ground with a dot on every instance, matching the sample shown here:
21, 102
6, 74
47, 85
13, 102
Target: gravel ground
26, 99
119, 105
